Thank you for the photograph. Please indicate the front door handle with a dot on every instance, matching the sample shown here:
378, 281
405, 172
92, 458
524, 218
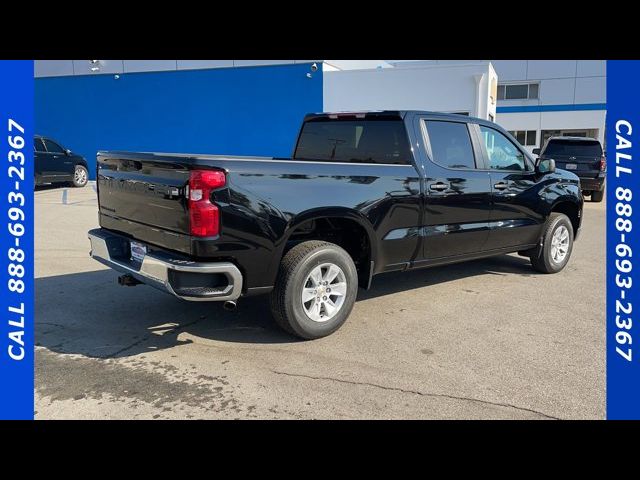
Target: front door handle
501, 186
439, 187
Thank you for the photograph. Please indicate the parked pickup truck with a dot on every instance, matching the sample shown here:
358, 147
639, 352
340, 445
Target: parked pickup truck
363, 194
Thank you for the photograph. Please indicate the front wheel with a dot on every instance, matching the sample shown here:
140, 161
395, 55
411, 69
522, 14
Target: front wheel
315, 290
80, 176
557, 245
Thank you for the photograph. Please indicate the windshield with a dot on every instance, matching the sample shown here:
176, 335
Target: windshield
575, 148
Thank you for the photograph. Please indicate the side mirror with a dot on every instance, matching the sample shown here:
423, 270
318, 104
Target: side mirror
548, 165
67, 151
536, 151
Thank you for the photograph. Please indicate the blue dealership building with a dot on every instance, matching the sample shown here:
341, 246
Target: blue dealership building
255, 107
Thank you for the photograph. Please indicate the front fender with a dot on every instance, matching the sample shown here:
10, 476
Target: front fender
559, 192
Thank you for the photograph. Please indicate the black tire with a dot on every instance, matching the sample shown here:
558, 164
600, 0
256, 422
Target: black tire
286, 298
80, 180
597, 196
541, 258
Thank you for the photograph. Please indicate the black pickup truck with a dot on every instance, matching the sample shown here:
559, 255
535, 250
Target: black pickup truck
363, 194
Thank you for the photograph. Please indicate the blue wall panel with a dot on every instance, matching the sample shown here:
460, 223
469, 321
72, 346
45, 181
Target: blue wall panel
233, 111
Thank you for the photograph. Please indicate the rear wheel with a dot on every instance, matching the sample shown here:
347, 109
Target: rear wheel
597, 196
557, 244
80, 176
315, 290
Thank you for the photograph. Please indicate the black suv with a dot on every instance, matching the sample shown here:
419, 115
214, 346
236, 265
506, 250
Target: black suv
56, 164
582, 156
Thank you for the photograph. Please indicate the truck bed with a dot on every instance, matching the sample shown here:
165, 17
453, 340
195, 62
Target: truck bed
143, 195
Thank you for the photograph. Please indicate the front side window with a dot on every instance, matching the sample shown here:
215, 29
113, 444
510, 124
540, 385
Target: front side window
53, 147
450, 144
503, 154
354, 141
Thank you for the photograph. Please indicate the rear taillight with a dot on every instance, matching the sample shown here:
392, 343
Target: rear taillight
603, 163
203, 214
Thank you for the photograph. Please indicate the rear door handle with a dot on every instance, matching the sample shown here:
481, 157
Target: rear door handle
501, 186
439, 187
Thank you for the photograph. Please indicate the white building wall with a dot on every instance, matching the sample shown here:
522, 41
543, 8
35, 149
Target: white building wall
581, 120
333, 65
562, 82
576, 120
574, 89
509, 70
490, 101
591, 90
442, 88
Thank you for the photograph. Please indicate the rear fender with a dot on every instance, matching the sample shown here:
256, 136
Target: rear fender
319, 213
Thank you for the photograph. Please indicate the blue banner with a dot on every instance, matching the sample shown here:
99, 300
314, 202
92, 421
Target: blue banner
623, 192
16, 240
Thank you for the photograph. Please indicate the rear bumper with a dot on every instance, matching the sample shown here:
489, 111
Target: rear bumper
174, 274
591, 184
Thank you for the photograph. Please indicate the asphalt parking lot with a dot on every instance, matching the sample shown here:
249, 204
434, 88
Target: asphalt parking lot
488, 339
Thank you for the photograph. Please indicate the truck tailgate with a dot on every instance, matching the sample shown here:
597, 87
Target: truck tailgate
144, 196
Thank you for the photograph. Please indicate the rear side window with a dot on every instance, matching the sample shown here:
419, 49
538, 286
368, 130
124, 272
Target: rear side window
586, 148
38, 146
450, 144
354, 141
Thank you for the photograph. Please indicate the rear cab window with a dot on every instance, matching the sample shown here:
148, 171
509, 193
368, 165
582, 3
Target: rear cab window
380, 140
582, 148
